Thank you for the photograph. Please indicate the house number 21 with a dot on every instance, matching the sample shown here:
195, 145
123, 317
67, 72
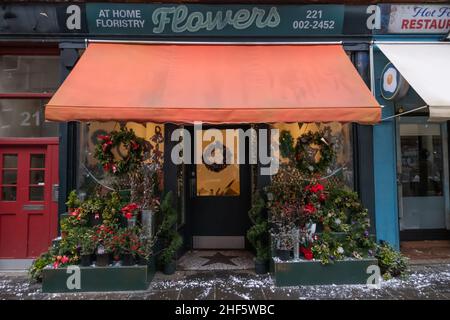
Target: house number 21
30, 119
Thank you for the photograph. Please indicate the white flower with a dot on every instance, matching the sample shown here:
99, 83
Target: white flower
337, 221
340, 250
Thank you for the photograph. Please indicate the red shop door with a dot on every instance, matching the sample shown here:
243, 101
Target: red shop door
28, 207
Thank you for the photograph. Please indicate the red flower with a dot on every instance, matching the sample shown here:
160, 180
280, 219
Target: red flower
64, 259
308, 255
107, 167
104, 137
134, 145
128, 215
322, 197
314, 188
309, 208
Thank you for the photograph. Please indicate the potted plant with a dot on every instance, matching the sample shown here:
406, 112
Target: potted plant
103, 239
170, 239
130, 212
128, 245
284, 240
258, 234
87, 248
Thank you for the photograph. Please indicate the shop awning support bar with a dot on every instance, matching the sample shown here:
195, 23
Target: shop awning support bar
403, 113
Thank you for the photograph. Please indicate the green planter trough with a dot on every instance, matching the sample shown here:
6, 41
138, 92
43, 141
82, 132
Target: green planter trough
295, 273
97, 279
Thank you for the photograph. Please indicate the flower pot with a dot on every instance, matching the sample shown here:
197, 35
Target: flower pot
261, 267
127, 259
131, 222
95, 220
170, 268
85, 260
102, 260
142, 261
284, 255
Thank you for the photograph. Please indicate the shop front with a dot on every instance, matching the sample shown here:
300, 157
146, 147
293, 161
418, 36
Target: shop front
136, 61
219, 98
410, 67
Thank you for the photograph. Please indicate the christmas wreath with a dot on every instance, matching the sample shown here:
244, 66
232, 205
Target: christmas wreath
304, 155
211, 165
134, 146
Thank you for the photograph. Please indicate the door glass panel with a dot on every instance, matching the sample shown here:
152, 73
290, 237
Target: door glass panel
422, 171
215, 177
422, 164
25, 118
37, 176
36, 193
10, 161
9, 177
37, 161
9, 194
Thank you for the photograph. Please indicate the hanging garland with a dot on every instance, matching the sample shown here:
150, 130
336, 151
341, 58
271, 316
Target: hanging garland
211, 149
286, 144
134, 146
304, 154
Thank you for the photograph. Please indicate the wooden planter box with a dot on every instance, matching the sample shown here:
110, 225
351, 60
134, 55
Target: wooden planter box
111, 278
294, 273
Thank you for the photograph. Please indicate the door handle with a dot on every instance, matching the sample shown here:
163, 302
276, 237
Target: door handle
55, 192
192, 185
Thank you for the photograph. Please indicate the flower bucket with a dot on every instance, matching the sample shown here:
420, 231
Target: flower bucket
127, 259
85, 260
170, 268
261, 267
102, 260
284, 255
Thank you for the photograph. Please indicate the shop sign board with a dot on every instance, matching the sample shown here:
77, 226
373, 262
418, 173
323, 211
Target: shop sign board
162, 20
418, 19
220, 20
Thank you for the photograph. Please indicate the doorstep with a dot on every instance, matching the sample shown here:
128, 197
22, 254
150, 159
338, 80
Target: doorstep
15, 265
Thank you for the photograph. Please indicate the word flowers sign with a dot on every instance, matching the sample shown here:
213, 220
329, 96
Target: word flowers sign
151, 19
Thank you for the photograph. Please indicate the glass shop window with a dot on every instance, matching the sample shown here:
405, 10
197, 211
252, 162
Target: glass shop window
340, 135
37, 74
91, 174
24, 117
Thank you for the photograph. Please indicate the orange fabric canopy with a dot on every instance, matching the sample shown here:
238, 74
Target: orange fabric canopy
214, 84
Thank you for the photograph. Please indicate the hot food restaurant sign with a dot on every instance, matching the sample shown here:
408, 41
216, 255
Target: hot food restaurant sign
417, 19
201, 20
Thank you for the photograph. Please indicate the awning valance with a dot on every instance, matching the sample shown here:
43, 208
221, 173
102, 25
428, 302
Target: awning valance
214, 84
426, 67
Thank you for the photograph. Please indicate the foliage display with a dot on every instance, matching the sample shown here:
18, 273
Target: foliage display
123, 138
101, 224
258, 234
170, 238
321, 217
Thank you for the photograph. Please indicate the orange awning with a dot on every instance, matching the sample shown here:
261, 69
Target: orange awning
214, 84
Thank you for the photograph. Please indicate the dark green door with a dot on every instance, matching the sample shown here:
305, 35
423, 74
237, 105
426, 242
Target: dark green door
219, 197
